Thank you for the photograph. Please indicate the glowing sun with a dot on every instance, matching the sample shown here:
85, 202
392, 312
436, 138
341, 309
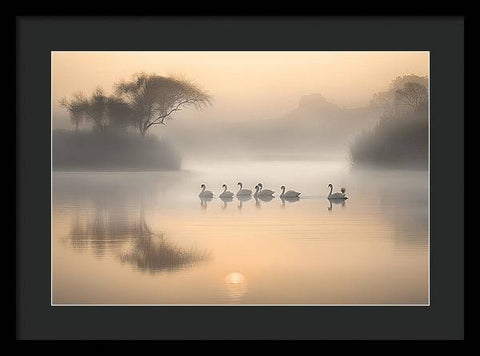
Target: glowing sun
235, 278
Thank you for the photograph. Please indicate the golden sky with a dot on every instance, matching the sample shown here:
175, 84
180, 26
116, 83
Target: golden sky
245, 85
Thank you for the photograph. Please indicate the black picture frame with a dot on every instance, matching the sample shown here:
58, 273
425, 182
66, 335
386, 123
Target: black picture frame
36, 37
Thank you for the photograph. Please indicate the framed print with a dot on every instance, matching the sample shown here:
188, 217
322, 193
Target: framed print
267, 173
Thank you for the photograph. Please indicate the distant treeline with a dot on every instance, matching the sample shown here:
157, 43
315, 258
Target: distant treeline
400, 138
119, 150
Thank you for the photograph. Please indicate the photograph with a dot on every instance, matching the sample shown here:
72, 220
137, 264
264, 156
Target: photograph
240, 178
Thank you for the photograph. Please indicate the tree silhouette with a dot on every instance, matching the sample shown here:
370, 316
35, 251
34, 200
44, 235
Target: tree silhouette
76, 108
400, 81
101, 110
403, 91
153, 99
412, 94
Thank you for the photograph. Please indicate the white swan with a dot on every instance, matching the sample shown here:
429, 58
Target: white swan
336, 195
289, 194
242, 191
264, 192
266, 198
225, 193
205, 193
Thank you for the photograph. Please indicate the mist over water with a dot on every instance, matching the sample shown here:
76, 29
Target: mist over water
132, 148
146, 237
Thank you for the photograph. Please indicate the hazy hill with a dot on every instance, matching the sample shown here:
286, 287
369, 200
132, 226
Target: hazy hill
313, 128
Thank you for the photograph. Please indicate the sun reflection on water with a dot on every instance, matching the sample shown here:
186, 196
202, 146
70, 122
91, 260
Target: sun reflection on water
235, 286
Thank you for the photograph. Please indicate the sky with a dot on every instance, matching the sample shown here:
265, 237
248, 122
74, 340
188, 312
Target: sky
244, 85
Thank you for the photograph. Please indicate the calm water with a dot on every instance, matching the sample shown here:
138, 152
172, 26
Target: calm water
146, 237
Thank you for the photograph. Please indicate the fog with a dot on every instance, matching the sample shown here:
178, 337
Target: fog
264, 104
313, 128
146, 237
145, 144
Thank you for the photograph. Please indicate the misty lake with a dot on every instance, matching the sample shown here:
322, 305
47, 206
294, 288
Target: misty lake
147, 238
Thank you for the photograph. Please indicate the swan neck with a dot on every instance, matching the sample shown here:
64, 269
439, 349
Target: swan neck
331, 190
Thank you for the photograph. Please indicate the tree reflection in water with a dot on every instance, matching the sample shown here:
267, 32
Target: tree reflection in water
111, 227
154, 254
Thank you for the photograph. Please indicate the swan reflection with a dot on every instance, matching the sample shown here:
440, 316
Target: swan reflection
265, 198
257, 202
243, 198
288, 199
204, 201
225, 201
336, 202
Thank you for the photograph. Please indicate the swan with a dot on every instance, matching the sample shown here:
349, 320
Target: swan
263, 192
243, 191
289, 194
225, 193
267, 196
336, 195
205, 193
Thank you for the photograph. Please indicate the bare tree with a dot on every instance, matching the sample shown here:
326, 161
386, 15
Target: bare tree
412, 95
153, 99
392, 102
400, 81
76, 108
385, 101
119, 113
93, 109
101, 110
